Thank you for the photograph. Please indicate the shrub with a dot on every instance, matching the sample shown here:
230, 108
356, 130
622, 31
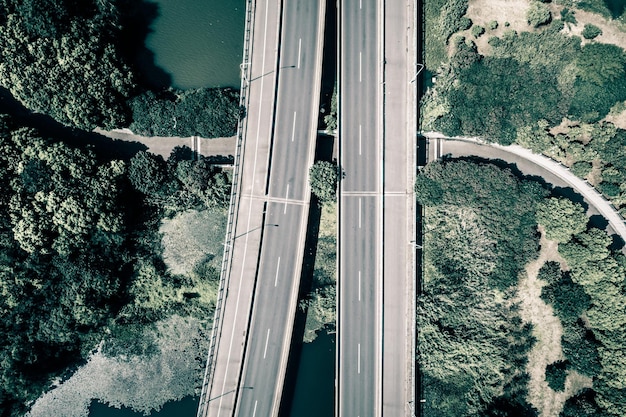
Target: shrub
568, 17
477, 31
451, 19
465, 23
581, 168
555, 375
591, 31
492, 25
538, 14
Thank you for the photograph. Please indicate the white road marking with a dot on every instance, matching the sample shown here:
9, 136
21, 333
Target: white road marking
360, 67
299, 50
286, 198
360, 4
360, 135
277, 268
232, 336
359, 213
358, 354
359, 285
293, 128
267, 339
254, 412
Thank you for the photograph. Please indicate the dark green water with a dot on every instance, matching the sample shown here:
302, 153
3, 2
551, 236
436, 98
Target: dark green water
616, 7
199, 42
187, 407
314, 394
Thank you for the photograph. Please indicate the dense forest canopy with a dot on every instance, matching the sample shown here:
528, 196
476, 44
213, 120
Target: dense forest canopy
62, 58
80, 252
480, 230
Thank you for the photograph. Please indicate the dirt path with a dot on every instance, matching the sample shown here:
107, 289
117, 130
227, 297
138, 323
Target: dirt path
163, 145
547, 330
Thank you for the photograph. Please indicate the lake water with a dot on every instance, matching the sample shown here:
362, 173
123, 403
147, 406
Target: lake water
199, 42
314, 394
187, 407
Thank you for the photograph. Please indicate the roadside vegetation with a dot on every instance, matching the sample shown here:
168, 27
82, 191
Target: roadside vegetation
205, 112
480, 230
488, 342
76, 62
82, 256
540, 85
321, 304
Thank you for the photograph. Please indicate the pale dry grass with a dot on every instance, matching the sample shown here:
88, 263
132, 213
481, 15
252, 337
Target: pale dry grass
192, 236
613, 31
482, 12
547, 330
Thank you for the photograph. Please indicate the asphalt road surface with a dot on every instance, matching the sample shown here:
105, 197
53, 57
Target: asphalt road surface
225, 374
398, 208
282, 249
360, 222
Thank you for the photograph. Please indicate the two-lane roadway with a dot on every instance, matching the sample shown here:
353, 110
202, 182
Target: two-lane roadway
359, 282
288, 198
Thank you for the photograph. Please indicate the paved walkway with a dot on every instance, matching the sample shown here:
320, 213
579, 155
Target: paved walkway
163, 146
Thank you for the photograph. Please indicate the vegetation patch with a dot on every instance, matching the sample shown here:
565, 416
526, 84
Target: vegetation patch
321, 303
204, 112
140, 381
469, 303
80, 263
479, 233
62, 58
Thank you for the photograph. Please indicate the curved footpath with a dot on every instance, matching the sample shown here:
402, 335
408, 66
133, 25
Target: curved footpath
529, 162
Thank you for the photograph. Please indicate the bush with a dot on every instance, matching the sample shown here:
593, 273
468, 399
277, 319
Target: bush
591, 31
555, 375
492, 25
581, 168
465, 23
477, 31
323, 178
538, 14
567, 16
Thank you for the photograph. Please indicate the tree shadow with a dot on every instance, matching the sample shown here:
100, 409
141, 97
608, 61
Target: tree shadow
104, 147
137, 20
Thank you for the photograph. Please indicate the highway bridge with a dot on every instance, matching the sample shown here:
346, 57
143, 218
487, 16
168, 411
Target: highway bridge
281, 76
269, 208
376, 275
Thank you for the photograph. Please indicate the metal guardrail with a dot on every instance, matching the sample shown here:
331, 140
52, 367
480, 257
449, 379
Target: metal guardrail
234, 198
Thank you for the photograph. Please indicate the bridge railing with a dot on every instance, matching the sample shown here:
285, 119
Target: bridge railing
234, 203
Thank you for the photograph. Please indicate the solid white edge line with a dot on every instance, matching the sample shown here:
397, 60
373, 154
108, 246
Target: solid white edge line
232, 336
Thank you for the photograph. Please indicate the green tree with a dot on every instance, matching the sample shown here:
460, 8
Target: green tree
561, 218
538, 14
555, 375
601, 63
323, 178
477, 31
